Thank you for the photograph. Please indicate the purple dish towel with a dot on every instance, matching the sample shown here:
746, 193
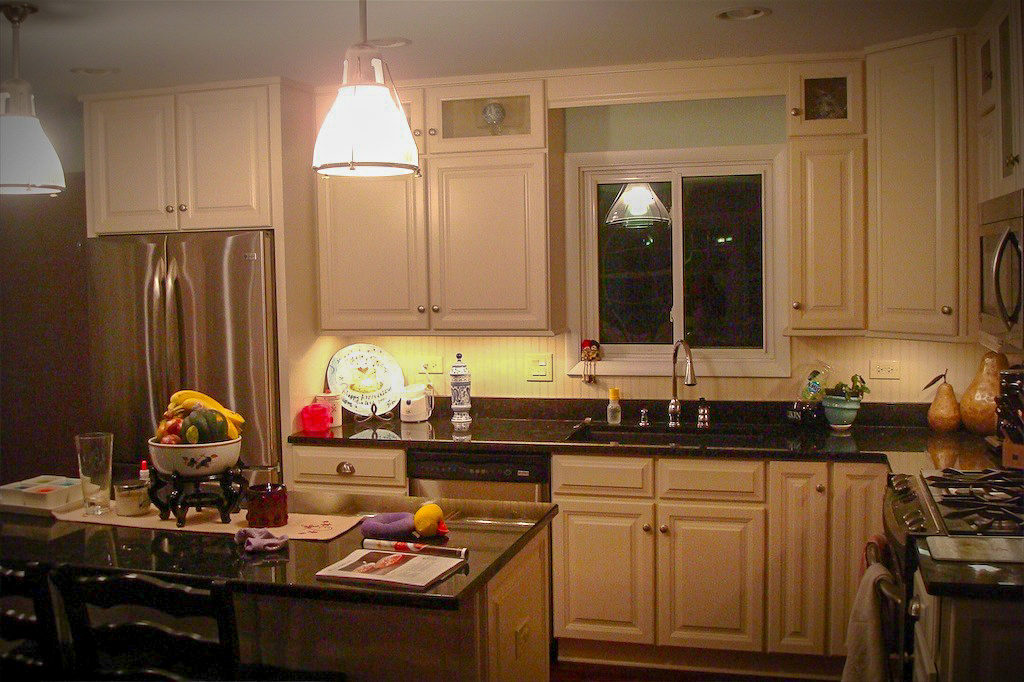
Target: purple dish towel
260, 540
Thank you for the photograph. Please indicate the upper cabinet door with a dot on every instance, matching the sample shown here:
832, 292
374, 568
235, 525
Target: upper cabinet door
484, 116
827, 232
1009, 95
913, 189
129, 157
826, 98
412, 103
224, 158
489, 241
373, 253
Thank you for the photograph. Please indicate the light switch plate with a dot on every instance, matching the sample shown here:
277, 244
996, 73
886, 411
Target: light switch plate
884, 369
539, 366
433, 363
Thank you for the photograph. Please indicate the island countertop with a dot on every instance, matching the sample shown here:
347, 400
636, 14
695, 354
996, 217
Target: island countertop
494, 532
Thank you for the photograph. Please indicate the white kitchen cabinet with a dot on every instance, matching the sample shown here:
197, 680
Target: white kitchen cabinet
827, 227
999, 72
131, 181
797, 556
711, 575
603, 569
373, 253
855, 515
488, 235
188, 160
486, 116
826, 98
412, 103
914, 208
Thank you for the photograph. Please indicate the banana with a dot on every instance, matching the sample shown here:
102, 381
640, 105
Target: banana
187, 400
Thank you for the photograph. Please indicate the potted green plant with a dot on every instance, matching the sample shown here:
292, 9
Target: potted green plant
842, 401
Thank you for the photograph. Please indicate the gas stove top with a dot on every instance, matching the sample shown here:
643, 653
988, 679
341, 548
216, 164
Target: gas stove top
987, 503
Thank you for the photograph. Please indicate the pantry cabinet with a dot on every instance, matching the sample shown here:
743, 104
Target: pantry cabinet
190, 160
826, 98
827, 226
797, 553
914, 176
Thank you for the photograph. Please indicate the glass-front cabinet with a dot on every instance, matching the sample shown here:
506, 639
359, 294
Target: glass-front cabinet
826, 98
998, 72
485, 116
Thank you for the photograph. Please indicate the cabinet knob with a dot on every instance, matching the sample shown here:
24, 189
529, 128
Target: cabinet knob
182, 207
795, 305
421, 309
663, 528
417, 132
1013, 159
795, 111
820, 487
346, 469
435, 308
169, 208
946, 310
646, 527
432, 131
987, 75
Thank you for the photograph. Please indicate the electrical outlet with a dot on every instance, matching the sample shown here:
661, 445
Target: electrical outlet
884, 369
539, 366
433, 363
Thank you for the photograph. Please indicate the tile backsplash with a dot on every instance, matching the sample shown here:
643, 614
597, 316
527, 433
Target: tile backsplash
498, 366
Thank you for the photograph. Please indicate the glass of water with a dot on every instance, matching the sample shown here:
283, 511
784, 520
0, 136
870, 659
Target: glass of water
95, 459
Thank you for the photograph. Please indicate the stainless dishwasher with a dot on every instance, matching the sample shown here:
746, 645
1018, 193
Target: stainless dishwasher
504, 476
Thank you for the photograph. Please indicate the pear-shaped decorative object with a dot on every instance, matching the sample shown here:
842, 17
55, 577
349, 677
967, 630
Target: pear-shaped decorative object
978, 404
944, 413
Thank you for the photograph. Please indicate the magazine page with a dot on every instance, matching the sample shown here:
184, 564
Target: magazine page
399, 568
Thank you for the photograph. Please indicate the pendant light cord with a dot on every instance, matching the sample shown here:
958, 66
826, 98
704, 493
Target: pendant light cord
362, 19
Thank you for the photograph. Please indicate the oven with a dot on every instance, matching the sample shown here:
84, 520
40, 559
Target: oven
1001, 290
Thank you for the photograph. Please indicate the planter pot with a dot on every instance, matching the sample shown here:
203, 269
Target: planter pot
840, 412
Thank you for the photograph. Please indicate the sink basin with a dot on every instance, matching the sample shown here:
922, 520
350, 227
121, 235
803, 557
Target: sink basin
721, 436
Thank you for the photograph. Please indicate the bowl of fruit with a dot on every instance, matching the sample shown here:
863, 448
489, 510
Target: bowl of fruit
197, 436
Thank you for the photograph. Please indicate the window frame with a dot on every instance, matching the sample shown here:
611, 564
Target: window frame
585, 170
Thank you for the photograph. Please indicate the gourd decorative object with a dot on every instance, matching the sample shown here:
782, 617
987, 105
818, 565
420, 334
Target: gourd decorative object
978, 404
944, 412
460, 394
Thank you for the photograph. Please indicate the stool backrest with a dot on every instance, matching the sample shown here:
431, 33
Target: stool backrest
128, 647
40, 651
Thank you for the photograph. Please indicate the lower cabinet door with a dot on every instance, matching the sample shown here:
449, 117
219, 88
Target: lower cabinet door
603, 570
711, 575
797, 556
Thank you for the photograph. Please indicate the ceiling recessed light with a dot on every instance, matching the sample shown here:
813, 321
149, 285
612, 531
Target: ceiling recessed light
743, 13
93, 71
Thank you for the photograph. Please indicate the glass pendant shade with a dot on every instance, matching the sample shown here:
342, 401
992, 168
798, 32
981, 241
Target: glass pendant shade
637, 206
365, 133
28, 162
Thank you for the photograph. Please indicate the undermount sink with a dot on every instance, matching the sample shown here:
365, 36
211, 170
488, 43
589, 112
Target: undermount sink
724, 436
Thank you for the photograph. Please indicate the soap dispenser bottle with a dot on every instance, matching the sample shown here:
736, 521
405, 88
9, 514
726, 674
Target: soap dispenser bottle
614, 409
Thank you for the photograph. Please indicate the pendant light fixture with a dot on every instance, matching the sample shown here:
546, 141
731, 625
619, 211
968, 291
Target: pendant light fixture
365, 132
28, 161
637, 206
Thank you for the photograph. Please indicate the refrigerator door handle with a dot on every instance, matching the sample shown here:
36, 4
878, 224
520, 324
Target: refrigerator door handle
156, 334
174, 325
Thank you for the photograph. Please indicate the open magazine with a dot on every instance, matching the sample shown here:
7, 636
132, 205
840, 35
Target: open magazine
394, 568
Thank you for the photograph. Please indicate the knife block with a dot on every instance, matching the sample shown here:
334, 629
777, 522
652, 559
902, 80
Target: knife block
1013, 454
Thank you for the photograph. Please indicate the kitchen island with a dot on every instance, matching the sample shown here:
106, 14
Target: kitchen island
489, 621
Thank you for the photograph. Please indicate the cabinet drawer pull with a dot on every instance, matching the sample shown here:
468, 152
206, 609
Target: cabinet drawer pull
795, 305
169, 208
646, 527
432, 131
820, 487
346, 469
182, 207
663, 528
795, 111
946, 310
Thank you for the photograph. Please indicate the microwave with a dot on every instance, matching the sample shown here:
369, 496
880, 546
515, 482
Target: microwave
1002, 273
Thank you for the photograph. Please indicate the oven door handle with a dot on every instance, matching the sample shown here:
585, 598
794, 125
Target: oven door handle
1009, 319
887, 587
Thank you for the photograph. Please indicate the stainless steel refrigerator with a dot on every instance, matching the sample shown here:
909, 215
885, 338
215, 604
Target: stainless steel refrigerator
183, 310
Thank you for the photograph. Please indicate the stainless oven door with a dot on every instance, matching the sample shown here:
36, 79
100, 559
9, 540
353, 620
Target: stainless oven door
1002, 282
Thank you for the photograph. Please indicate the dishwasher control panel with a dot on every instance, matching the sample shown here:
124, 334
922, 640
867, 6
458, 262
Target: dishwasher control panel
502, 467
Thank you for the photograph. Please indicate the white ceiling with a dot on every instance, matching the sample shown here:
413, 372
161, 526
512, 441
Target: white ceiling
169, 42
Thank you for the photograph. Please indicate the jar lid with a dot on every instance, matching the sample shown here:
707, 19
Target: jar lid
131, 484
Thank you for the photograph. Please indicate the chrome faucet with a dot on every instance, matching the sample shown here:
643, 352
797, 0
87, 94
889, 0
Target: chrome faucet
689, 378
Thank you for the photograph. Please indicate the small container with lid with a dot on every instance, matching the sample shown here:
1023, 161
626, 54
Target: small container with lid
131, 497
614, 409
461, 405
267, 499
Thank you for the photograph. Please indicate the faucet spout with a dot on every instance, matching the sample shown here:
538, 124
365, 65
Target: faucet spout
689, 379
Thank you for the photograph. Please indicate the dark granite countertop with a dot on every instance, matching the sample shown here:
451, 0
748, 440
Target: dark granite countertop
196, 557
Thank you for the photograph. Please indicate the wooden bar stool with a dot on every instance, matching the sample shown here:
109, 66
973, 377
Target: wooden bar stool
31, 648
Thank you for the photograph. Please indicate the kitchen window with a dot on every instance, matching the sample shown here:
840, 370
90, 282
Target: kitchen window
707, 265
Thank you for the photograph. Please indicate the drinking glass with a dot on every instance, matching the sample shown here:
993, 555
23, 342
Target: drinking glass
95, 459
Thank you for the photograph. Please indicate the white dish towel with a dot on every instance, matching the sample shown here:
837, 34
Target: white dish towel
865, 647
